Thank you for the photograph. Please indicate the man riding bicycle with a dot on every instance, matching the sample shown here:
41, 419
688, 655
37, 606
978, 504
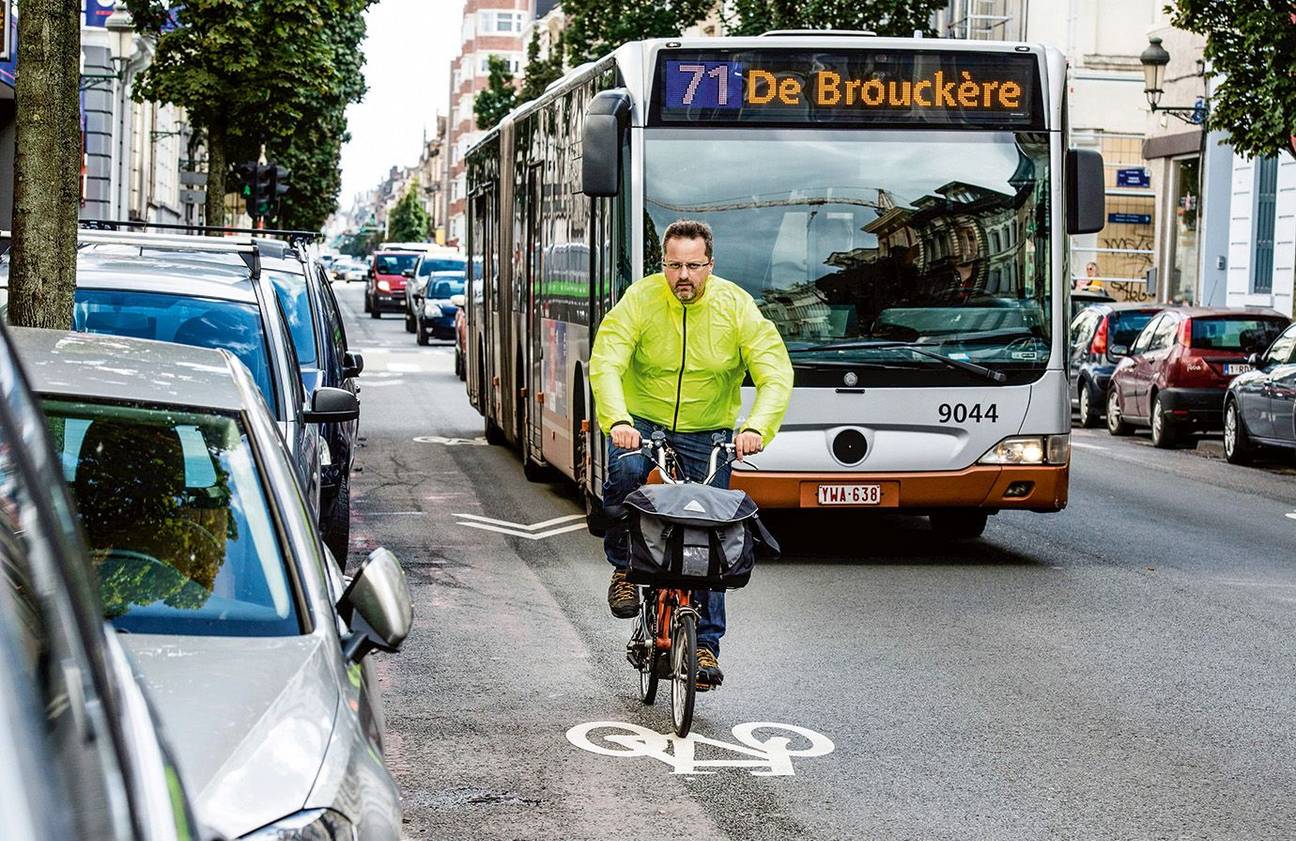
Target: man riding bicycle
671, 356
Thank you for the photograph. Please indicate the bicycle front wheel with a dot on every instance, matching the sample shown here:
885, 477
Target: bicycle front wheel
684, 671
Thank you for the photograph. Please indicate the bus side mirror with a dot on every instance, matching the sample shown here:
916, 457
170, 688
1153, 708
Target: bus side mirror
605, 122
1086, 192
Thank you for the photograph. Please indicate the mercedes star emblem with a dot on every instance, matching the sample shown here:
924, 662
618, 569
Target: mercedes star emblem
850, 379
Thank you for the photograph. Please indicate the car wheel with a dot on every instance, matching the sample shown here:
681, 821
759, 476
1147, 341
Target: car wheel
410, 324
368, 307
958, 523
421, 335
1238, 446
1116, 424
1088, 417
337, 526
459, 366
1164, 433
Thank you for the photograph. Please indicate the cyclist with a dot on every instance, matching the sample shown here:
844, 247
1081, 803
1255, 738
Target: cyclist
671, 356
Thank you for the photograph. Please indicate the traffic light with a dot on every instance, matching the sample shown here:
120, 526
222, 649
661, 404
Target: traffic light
261, 187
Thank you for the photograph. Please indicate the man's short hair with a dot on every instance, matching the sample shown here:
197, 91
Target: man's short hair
688, 229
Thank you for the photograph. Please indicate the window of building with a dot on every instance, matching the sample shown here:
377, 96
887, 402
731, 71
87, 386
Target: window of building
1266, 216
500, 22
514, 63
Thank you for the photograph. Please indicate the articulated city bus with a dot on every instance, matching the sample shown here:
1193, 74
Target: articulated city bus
898, 208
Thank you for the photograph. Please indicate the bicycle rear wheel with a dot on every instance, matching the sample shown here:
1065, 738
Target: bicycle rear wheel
645, 633
684, 670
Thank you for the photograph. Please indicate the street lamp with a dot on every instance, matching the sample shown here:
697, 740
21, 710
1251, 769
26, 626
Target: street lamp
1154, 60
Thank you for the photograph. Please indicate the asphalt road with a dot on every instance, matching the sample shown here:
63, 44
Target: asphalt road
1121, 670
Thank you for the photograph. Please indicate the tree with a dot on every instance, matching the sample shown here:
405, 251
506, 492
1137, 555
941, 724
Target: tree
409, 221
47, 167
253, 72
597, 27
492, 104
885, 17
1252, 43
540, 72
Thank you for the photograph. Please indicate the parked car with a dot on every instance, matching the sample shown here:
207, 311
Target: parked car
239, 620
435, 311
1081, 298
461, 337
1101, 335
82, 754
315, 325
438, 259
390, 269
1259, 405
348, 269
1175, 376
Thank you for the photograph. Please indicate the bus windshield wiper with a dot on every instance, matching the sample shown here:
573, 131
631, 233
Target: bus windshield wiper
916, 347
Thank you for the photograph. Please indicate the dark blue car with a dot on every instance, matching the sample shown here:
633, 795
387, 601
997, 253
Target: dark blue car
434, 307
1260, 405
1100, 336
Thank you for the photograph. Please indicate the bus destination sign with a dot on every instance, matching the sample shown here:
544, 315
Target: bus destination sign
931, 88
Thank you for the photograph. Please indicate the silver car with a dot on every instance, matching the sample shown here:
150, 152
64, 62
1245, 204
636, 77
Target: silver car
243, 628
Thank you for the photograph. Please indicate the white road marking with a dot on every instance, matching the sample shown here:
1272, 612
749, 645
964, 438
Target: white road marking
770, 757
381, 383
450, 442
523, 526
1082, 446
1291, 515
404, 367
396, 514
528, 535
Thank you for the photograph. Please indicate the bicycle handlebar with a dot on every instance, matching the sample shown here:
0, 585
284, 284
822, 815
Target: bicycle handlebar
658, 450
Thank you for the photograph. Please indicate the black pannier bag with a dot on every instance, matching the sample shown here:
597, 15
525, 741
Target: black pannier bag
694, 536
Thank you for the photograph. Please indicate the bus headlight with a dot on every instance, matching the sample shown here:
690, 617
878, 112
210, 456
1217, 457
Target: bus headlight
1030, 449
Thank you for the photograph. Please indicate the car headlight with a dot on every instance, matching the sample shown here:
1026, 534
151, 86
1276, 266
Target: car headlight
431, 310
310, 825
326, 455
384, 286
1030, 449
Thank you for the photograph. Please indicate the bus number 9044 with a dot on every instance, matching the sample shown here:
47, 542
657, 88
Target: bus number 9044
962, 413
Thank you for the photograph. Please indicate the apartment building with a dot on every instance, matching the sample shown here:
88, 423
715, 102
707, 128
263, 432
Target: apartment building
490, 27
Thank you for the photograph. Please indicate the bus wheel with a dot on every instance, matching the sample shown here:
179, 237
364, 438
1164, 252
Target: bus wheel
958, 523
494, 435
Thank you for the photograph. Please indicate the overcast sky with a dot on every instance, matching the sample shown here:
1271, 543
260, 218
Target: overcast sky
408, 50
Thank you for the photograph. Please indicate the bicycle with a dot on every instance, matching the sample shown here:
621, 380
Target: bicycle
664, 640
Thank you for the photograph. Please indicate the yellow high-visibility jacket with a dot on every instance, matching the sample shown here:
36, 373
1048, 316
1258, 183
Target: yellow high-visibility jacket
682, 366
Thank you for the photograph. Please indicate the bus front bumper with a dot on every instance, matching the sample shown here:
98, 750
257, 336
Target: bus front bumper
992, 487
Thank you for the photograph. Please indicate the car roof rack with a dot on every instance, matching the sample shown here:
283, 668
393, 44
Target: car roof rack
268, 233
246, 248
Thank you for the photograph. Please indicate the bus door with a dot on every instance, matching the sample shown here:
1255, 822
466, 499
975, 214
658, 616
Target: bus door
534, 302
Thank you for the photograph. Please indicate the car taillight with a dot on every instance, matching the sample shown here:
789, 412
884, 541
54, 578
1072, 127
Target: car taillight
1098, 346
1185, 332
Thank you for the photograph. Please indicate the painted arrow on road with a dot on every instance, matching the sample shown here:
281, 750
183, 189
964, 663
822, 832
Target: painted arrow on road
535, 531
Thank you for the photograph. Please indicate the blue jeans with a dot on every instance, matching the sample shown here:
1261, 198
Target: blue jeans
625, 475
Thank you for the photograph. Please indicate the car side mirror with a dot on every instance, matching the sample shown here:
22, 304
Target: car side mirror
352, 363
376, 607
457, 300
408, 273
332, 405
1119, 350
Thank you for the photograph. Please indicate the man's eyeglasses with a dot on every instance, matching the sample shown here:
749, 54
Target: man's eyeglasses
675, 265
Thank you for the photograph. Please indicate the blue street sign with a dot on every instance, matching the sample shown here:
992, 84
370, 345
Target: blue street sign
1133, 177
97, 12
1131, 218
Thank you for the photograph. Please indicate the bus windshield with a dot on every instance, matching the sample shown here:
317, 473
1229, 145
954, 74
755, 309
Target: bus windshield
930, 237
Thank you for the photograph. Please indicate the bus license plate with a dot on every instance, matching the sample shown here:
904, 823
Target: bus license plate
850, 494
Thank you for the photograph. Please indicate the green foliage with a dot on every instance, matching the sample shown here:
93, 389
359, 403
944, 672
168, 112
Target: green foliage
540, 72
492, 104
885, 17
272, 72
597, 27
409, 221
360, 244
1253, 44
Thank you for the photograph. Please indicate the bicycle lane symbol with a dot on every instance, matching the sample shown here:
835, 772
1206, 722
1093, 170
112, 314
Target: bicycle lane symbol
770, 757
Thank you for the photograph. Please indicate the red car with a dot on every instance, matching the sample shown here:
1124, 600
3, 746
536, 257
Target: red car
388, 273
1180, 366
461, 338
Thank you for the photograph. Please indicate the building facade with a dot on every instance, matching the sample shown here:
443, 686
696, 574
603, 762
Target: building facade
489, 27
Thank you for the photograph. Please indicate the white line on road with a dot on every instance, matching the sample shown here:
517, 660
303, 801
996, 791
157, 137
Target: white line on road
1291, 515
523, 526
404, 367
528, 535
396, 514
1082, 446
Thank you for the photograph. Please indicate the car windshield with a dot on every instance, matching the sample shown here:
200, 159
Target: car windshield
177, 521
1235, 333
294, 297
394, 263
201, 322
441, 264
441, 288
1125, 326
931, 237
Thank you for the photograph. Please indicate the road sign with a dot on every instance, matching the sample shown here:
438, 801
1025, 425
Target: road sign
1131, 218
1133, 177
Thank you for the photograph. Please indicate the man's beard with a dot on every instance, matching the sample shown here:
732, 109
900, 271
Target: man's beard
686, 292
